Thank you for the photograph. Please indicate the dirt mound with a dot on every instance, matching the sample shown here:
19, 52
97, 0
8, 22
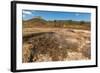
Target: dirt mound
50, 44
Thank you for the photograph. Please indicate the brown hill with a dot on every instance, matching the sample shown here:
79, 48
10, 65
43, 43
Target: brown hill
34, 22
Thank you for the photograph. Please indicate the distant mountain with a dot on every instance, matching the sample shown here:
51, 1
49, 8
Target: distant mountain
34, 22
40, 22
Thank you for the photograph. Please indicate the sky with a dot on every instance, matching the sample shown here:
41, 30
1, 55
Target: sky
55, 15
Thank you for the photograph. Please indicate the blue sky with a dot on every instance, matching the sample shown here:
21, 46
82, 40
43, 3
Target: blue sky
52, 15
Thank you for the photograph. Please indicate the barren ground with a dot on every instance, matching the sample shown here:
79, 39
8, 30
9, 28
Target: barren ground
55, 44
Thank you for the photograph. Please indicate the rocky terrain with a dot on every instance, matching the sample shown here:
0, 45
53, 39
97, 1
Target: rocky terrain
55, 44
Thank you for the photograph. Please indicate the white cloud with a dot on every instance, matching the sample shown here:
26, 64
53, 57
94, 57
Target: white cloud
27, 12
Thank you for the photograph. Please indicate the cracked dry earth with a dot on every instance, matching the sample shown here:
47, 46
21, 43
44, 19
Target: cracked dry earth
56, 45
